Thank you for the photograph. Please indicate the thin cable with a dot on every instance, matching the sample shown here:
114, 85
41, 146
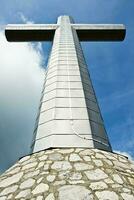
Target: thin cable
70, 102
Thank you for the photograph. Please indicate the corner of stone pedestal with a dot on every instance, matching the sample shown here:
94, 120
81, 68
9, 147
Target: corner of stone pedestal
69, 173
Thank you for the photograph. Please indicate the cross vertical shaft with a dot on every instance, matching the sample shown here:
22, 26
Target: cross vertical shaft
69, 113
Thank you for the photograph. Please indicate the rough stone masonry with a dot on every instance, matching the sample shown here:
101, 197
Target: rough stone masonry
69, 174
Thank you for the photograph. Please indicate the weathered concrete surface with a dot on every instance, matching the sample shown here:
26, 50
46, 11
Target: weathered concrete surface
71, 174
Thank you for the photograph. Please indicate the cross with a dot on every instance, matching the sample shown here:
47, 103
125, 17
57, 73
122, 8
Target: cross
69, 114
45, 32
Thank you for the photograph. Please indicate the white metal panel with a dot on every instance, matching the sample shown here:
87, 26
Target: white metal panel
45, 129
77, 85
68, 67
46, 116
47, 105
73, 93
52, 68
71, 72
63, 141
49, 75
51, 80
49, 95
50, 87
65, 127
71, 78
70, 102
31, 26
65, 113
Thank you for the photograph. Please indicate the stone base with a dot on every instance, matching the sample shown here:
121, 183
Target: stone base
69, 174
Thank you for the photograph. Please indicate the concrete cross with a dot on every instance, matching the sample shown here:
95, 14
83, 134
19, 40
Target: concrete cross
69, 114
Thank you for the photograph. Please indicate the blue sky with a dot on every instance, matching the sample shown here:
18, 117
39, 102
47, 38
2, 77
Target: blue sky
21, 73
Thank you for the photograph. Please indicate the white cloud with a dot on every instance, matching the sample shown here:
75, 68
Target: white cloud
21, 81
125, 154
24, 18
122, 132
19, 69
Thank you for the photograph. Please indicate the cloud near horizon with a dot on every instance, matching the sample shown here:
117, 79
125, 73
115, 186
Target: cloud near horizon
125, 154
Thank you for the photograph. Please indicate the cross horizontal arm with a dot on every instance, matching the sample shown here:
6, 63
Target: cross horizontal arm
22, 33
101, 32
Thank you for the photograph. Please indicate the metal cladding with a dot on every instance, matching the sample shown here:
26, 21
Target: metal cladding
85, 32
21, 33
69, 115
101, 32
